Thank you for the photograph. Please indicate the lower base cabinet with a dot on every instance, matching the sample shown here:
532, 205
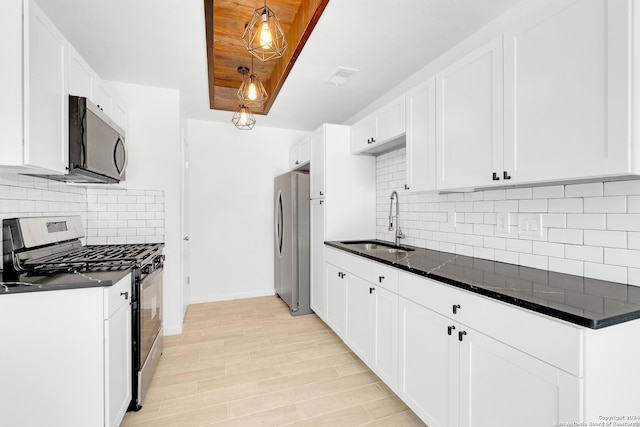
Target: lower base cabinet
452, 375
66, 359
485, 364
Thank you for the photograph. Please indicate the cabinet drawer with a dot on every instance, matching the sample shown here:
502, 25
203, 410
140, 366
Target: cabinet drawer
558, 343
117, 295
356, 265
384, 276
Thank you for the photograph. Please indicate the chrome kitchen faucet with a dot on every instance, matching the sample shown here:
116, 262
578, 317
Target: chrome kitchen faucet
399, 234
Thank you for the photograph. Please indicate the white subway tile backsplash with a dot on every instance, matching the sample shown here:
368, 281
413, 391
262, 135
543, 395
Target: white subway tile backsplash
625, 257
579, 222
565, 235
612, 204
623, 222
584, 253
566, 266
605, 272
621, 188
566, 205
611, 239
587, 221
535, 205
548, 249
593, 189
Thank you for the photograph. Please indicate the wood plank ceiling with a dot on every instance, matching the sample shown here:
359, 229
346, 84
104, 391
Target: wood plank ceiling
225, 21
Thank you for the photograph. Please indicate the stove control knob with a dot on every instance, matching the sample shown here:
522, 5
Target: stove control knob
147, 269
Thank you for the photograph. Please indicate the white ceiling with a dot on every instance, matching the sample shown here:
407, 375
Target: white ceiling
161, 43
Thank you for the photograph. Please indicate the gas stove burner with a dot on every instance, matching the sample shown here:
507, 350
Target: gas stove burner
94, 258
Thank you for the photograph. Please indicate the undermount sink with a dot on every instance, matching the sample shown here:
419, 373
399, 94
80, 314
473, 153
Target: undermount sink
368, 245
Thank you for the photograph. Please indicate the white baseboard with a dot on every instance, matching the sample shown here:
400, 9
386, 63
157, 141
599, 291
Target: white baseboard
229, 297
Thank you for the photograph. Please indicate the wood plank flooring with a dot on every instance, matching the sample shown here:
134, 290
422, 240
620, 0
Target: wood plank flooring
249, 363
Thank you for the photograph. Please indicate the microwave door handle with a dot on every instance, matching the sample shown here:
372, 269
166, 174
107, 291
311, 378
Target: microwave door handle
115, 158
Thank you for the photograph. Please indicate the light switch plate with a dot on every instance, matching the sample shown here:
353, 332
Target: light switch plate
451, 219
530, 225
503, 223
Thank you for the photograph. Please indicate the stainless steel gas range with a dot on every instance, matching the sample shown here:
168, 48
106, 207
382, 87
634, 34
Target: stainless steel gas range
50, 247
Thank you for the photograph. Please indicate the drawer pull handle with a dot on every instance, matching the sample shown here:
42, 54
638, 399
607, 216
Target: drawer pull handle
450, 329
495, 177
371, 290
126, 294
456, 307
380, 279
461, 334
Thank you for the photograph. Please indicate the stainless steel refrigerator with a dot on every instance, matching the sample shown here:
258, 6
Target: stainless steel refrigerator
292, 241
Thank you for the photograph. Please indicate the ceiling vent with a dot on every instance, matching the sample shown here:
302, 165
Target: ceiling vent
341, 75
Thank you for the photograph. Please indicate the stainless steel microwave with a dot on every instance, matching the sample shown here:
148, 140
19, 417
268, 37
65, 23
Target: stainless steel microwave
97, 150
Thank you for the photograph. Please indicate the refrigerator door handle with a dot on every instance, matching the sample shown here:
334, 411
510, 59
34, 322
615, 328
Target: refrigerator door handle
279, 227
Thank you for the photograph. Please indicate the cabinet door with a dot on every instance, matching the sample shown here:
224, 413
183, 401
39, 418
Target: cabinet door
501, 386
421, 137
428, 364
103, 97
469, 119
117, 332
390, 121
81, 75
317, 168
318, 283
566, 92
336, 299
362, 134
384, 348
358, 329
46, 100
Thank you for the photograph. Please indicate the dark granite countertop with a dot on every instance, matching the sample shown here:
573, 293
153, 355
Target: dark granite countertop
55, 282
580, 300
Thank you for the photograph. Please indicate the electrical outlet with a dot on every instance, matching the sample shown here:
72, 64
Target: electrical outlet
530, 225
451, 219
503, 223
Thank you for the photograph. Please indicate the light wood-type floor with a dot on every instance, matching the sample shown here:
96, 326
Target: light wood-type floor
249, 363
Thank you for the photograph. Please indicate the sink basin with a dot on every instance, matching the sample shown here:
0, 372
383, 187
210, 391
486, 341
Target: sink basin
368, 245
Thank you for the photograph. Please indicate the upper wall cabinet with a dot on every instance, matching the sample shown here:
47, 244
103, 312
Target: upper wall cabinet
469, 119
567, 93
421, 137
33, 82
381, 131
83, 81
300, 154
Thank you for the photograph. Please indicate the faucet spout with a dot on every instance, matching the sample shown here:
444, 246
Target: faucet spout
399, 235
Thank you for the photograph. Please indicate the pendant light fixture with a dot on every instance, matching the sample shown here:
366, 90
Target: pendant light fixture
263, 36
243, 118
251, 92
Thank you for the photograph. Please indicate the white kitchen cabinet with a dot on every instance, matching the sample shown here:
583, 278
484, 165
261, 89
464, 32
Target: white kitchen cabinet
380, 131
384, 346
81, 75
336, 285
300, 155
469, 111
501, 386
567, 93
343, 197
34, 102
70, 355
428, 367
359, 316
83, 81
318, 291
421, 137
117, 352
491, 372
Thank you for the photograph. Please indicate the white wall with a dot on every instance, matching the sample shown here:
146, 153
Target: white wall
231, 211
154, 142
